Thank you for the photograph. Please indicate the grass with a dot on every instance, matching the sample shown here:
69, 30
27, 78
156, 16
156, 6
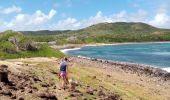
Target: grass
84, 74
44, 51
10, 40
126, 91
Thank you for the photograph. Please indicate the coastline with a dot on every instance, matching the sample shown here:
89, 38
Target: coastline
139, 69
67, 48
73, 46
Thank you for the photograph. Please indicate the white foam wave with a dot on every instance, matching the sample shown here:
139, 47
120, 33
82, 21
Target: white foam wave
161, 53
167, 69
66, 50
84, 57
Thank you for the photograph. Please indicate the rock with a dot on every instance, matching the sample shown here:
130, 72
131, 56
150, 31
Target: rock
108, 75
93, 77
74, 94
93, 59
100, 93
88, 86
4, 73
112, 96
167, 76
90, 91
30, 47
47, 96
14, 97
20, 98
45, 85
6, 92
73, 84
36, 79
94, 89
30, 91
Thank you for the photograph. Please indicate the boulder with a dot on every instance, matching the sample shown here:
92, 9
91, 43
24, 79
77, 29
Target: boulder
47, 96
30, 47
4, 74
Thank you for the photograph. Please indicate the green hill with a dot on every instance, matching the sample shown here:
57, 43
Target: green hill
43, 32
104, 33
16, 45
121, 27
117, 27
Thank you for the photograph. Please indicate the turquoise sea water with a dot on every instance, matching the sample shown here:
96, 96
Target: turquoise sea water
155, 54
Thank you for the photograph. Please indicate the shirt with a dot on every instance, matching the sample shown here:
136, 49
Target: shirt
63, 66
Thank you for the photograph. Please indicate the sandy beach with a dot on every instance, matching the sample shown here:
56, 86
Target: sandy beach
76, 46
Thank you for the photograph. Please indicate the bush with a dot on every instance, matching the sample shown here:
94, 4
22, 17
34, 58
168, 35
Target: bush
44, 51
16, 45
8, 47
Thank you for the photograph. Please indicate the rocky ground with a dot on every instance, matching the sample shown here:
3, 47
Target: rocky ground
37, 78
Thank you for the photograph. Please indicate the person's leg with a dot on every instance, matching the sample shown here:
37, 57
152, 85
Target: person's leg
64, 82
67, 82
63, 76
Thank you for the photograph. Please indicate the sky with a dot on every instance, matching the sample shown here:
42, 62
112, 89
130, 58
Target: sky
31, 15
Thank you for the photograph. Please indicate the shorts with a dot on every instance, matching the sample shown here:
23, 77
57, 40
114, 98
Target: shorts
63, 74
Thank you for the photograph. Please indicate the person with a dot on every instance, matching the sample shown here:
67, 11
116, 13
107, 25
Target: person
64, 72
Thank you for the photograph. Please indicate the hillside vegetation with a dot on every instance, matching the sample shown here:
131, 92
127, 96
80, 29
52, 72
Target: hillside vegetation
16, 45
104, 33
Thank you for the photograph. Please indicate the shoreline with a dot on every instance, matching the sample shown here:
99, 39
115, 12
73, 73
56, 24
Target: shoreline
73, 46
65, 50
125, 63
139, 69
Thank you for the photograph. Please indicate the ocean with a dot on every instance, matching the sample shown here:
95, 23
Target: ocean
153, 54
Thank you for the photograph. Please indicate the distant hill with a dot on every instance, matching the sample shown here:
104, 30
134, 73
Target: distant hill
117, 27
104, 33
122, 27
43, 32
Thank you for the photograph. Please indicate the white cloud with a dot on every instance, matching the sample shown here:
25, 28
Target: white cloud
39, 20
69, 23
29, 22
161, 19
73, 23
9, 10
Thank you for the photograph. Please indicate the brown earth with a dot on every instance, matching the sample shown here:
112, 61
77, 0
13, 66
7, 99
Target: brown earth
37, 78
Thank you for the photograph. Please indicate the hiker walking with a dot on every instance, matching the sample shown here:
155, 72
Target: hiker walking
64, 72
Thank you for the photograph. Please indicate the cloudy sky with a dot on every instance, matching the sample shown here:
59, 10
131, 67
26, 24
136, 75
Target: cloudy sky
76, 14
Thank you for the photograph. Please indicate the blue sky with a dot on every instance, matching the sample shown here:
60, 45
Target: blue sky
76, 14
